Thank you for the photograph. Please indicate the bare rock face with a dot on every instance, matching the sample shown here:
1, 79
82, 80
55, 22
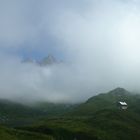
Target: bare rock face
46, 61
49, 60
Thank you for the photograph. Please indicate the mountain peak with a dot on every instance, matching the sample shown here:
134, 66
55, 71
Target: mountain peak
49, 60
119, 91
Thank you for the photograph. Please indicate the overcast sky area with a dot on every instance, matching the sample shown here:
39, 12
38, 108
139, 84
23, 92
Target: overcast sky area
98, 41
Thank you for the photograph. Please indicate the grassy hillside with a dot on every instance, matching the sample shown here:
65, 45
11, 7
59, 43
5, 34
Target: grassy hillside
16, 110
13, 134
108, 101
99, 118
16, 114
103, 125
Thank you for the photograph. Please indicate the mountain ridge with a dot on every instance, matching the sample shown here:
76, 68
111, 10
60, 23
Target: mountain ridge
99, 118
107, 100
45, 61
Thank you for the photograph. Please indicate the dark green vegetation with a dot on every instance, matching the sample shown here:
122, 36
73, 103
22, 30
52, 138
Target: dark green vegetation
99, 118
13, 134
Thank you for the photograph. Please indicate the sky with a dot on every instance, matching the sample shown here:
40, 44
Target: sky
97, 40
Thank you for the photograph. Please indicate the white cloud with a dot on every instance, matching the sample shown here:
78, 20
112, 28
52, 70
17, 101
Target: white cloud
99, 38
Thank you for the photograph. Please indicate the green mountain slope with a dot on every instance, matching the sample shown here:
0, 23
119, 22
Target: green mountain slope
99, 118
103, 125
108, 101
16, 114
13, 134
16, 110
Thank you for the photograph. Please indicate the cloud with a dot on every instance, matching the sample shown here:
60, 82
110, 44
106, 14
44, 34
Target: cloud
100, 42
